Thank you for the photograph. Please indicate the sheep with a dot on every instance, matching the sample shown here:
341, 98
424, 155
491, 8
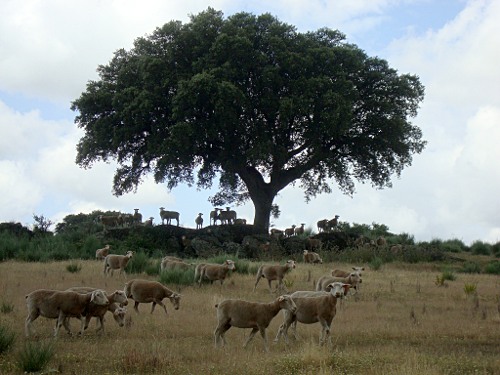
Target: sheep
214, 216
274, 272
289, 232
313, 307
341, 273
353, 279
137, 217
100, 254
114, 262
59, 305
322, 225
397, 249
312, 257
276, 233
170, 264
145, 291
168, 215
332, 224
199, 221
228, 216
313, 244
246, 314
213, 272
116, 300
381, 241
300, 230
240, 221
149, 222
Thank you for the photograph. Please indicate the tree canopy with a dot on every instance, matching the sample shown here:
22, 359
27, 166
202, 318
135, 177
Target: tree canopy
252, 103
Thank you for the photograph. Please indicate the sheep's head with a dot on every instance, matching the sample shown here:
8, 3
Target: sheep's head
99, 297
121, 297
230, 264
290, 263
175, 298
119, 315
338, 289
286, 303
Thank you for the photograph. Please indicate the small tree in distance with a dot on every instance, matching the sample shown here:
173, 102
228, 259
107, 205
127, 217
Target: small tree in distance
251, 102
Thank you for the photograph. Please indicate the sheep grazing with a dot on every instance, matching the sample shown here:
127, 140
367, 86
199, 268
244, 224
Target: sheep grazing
60, 305
145, 291
276, 233
168, 264
240, 221
289, 232
199, 221
312, 257
116, 262
313, 307
274, 272
245, 314
100, 254
341, 273
213, 272
116, 301
149, 222
168, 215
353, 279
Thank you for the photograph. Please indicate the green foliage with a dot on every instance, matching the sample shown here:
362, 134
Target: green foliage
35, 356
177, 277
74, 267
187, 128
448, 275
481, 248
470, 289
7, 339
495, 249
11, 245
493, 267
138, 263
376, 263
471, 267
153, 268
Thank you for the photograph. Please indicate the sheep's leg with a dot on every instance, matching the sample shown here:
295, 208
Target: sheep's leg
32, 316
264, 337
259, 275
219, 333
280, 332
269, 285
82, 325
250, 336
60, 322
136, 308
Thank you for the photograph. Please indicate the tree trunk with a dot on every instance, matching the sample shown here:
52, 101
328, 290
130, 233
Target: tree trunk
263, 205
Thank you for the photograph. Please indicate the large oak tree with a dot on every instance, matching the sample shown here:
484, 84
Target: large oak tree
253, 103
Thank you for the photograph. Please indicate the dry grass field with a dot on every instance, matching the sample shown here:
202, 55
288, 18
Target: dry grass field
400, 323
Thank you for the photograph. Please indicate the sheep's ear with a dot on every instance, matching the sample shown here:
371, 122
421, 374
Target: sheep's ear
346, 288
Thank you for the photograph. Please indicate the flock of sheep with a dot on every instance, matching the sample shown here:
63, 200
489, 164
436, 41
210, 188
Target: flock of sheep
306, 307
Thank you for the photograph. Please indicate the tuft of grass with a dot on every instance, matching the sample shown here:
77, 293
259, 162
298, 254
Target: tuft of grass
470, 289
74, 267
7, 338
448, 275
35, 356
6, 307
376, 263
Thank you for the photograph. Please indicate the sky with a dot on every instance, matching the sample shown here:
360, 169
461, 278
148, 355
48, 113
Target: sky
50, 49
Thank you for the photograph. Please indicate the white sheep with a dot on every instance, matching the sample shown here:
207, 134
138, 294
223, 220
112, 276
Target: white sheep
228, 216
145, 291
313, 307
245, 314
213, 272
60, 305
322, 225
108, 221
168, 264
149, 222
199, 221
300, 230
114, 262
100, 254
341, 273
116, 300
274, 272
312, 257
332, 224
289, 232
353, 279
168, 215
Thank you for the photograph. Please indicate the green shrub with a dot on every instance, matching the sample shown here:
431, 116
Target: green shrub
6, 307
471, 267
453, 246
35, 356
448, 275
481, 248
376, 263
495, 249
153, 268
74, 267
7, 338
177, 277
470, 289
139, 262
493, 268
